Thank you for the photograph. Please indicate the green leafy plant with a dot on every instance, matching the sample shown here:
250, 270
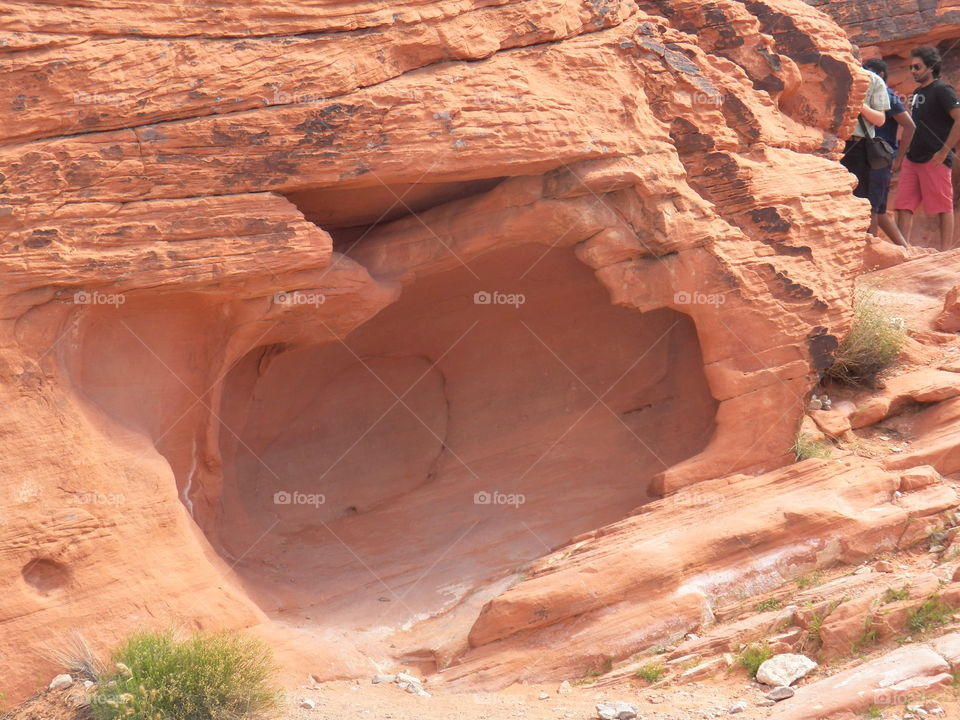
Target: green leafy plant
805, 447
869, 636
753, 656
809, 580
652, 672
605, 667
934, 613
892, 595
220, 676
816, 623
770, 604
873, 712
874, 341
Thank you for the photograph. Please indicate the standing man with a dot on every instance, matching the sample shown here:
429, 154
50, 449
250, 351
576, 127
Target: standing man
925, 173
897, 117
872, 113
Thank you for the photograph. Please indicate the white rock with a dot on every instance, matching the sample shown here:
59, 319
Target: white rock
781, 692
543, 696
565, 688
784, 669
308, 704
616, 710
376, 679
738, 707
61, 682
403, 677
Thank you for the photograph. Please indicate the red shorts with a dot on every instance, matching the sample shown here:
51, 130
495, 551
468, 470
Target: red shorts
927, 183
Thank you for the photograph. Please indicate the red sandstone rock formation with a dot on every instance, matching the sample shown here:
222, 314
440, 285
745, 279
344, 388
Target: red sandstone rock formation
326, 319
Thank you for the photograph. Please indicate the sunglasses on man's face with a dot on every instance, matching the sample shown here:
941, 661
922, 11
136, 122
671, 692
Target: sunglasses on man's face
916, 67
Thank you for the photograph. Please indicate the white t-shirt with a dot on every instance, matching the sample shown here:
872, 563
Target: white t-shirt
876, 99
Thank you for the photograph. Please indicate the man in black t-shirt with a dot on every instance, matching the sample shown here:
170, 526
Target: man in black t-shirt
925, 172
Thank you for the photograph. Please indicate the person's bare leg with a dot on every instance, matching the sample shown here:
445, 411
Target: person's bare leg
887, 224
905, 223
946, 231
873, 225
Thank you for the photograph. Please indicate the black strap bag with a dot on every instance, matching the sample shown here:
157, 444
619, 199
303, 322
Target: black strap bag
879, 153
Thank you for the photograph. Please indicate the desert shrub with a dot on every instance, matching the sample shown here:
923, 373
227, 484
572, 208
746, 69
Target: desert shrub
875, 339
753, 656
933, 614
74, 654
892, 595
809, 580
804, 447
157, 676
652, 672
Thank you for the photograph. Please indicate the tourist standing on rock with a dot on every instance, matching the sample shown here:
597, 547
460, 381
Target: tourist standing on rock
897, 117
854, 159
925, 173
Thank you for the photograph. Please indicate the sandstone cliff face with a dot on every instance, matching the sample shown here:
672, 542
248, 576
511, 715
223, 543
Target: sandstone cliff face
896, 26
323, 319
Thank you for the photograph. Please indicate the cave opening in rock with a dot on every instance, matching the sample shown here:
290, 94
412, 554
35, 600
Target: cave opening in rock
349, 214
491, 413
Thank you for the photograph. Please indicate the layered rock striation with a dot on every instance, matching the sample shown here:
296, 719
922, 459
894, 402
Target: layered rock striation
325, 319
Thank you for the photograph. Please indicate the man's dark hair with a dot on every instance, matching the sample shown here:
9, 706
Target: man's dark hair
878, 66
930, 57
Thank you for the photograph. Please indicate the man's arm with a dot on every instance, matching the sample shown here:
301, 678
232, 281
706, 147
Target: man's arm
952, 139
908, 126
874, 117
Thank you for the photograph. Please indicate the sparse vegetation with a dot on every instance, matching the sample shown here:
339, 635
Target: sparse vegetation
809, 580
221, 676
873, 712
605, 667
869, 636
892, 595
874, 341
769, 604
816, 622
753, 656
652, 672
934, 613
805, 447
74, 654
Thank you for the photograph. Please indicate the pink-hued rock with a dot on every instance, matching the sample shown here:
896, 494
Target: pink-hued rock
899, 676
919, 477
832, 423
327, 320
949, 319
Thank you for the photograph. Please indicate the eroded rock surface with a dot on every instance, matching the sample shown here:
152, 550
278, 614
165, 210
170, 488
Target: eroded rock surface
326, 320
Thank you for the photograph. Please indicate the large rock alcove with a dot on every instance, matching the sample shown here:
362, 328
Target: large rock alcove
364, 465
